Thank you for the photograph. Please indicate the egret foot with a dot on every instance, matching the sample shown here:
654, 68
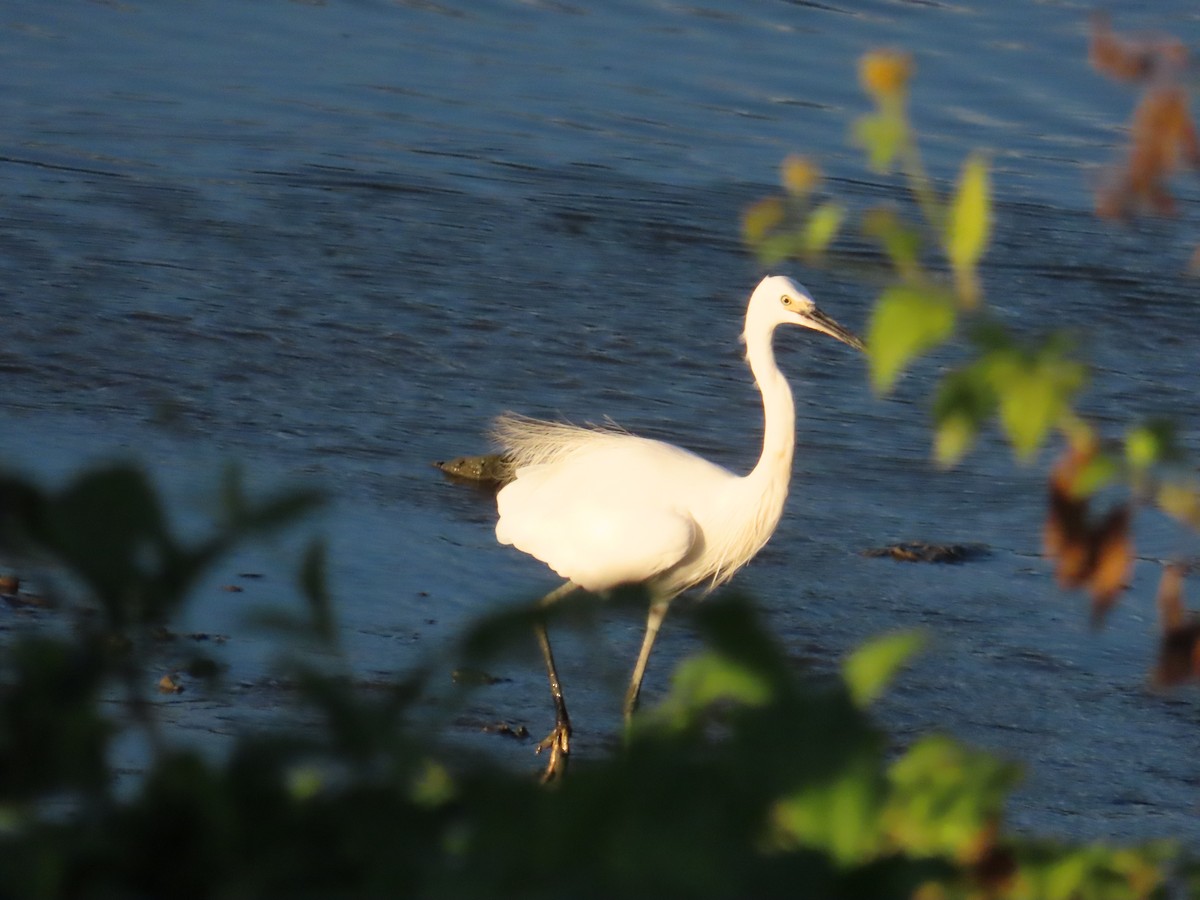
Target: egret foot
558, 742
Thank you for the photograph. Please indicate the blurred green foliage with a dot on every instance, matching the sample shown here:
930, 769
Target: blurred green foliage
751, 778
933, 244
930, 247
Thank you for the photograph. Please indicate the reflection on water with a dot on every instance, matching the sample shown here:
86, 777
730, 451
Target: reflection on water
334, 241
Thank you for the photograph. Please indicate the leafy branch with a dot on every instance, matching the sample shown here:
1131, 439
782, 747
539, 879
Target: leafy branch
933, 296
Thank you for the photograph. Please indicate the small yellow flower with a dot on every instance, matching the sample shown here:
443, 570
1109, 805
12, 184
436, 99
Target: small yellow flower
885, 73
799, 175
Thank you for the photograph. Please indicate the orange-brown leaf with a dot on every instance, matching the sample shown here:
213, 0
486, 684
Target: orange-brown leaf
1164, 137
1112, 559
1064, 539
1132, 60
1112, 56
1170, 598
1162, 133
1179, 646
1098, 557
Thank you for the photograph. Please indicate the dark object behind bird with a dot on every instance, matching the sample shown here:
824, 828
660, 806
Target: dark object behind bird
490, 469
919, 551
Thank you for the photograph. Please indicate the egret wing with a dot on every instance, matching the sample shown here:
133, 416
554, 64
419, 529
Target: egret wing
600, 526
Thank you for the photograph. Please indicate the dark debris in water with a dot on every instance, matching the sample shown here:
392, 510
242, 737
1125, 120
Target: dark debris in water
490, 726
920, 551
488, 470
518, 732
12, 594
475, 677
162, 634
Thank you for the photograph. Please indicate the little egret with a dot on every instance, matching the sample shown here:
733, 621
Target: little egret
604, 508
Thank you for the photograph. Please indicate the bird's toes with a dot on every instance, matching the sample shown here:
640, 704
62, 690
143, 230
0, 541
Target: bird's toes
558, 742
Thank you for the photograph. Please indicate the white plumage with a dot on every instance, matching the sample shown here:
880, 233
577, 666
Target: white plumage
625, 509
603, 508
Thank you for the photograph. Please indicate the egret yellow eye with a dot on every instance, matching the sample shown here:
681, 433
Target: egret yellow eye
785, 300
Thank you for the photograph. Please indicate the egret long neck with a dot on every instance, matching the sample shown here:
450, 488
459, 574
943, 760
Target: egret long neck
779, 412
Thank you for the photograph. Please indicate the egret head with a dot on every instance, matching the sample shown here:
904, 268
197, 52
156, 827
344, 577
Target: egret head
780, 301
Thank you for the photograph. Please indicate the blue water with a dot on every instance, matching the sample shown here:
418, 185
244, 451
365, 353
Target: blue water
332, 241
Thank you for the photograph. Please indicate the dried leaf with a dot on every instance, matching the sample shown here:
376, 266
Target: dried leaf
1179, 646
1097, 557
993, 865
1163, 140
1163, 133
1130, 59
1112, 561
1170, 598
169, 684
1063, 539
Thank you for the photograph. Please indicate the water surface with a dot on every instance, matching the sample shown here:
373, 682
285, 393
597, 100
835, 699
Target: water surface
333, 241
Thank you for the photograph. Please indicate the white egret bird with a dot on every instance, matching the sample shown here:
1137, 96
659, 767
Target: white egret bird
604, 508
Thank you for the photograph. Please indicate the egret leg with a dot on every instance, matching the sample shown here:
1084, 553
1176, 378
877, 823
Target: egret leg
558, 741
658, 612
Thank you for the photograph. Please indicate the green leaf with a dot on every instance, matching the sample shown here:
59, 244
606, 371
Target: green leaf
315, 587
244, 516
1099, 870
1033, 391
839, 813
761, 219
953, 439
1181, 500
109, 529
945, 797
1098, 472
1028, 407
822, 227
1150, 443
703, 680
882, 135
1034, 394
775, 249
968, 226
807, 241
906, 322
963, 403
304, 782
901, 243
434, 785
870, 668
